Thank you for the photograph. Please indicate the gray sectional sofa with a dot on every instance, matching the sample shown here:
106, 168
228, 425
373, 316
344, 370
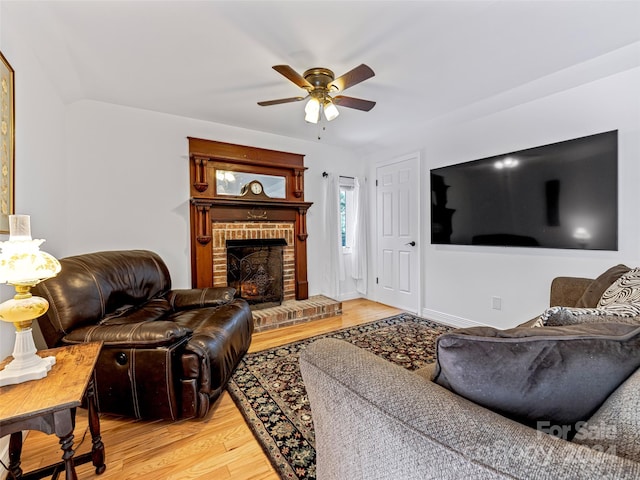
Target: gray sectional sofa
376, 420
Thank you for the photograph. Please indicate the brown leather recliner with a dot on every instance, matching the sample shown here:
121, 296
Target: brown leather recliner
166, 353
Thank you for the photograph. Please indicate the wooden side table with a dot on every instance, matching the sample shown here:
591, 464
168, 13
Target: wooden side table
49, 405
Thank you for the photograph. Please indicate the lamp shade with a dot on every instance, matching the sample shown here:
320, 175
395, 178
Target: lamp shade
312, 110
21, 261
330, 110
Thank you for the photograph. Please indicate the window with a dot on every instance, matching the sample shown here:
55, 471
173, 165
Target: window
347, 213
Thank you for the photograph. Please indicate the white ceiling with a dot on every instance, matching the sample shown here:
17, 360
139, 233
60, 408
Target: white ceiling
212, 60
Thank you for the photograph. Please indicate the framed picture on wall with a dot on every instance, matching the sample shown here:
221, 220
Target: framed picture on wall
7, 139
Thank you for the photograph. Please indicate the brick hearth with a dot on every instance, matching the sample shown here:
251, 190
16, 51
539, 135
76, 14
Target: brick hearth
296, 311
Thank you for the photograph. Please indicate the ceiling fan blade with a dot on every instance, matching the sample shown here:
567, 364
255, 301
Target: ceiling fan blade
356, 103
279, 101
352, 77
292, 75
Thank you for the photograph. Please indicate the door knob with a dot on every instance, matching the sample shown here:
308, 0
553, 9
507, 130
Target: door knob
412, 243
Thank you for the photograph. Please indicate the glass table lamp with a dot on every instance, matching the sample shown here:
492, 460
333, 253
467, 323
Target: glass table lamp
23, 265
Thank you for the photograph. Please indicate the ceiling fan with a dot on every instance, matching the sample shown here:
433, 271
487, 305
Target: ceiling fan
319, 83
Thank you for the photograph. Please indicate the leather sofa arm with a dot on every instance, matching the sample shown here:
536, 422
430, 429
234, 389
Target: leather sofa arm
200, 297
130, 335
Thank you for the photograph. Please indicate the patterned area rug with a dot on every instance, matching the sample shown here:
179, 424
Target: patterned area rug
268, 389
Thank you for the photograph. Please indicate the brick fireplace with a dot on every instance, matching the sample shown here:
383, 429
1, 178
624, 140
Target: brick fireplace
223, 233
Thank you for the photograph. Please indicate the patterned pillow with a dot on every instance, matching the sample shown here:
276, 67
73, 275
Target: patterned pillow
557, 316
625, 291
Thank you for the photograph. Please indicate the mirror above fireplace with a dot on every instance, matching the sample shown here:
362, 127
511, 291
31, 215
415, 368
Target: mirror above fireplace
229, 182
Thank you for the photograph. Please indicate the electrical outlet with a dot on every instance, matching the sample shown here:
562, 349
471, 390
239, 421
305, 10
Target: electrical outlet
496, 303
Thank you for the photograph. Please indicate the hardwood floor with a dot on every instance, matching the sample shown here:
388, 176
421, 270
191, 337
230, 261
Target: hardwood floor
219, 446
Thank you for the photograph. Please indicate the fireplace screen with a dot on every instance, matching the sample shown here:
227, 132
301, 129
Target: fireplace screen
255, 269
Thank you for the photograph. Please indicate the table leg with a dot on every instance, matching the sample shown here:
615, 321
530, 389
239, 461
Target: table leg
97, 450
15, 451
64, 421
66, 442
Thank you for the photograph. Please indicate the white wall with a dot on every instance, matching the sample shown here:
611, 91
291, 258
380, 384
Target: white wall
459, 282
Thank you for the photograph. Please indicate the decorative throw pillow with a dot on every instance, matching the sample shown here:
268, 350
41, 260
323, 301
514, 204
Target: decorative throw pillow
558, 316
593, 293
556, 375
624, 291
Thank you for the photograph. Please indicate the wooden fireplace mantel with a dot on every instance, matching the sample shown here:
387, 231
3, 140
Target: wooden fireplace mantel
207, 206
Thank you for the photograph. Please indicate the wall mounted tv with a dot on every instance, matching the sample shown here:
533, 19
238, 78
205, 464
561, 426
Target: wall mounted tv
562, 195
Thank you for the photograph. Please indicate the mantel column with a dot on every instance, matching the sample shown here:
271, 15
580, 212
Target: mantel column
201, 248
302, 285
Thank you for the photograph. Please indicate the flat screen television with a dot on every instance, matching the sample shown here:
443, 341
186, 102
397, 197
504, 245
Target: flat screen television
562, 195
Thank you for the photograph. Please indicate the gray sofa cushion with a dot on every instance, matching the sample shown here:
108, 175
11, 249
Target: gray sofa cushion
615, 427
427, 372
556, 375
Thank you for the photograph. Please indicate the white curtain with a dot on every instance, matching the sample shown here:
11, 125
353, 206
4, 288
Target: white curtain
334, 264
359, 252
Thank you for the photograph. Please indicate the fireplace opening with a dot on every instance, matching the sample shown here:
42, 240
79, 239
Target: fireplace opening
255, 268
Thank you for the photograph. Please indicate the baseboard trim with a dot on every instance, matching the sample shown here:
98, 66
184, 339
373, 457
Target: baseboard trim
450, 320
348, 296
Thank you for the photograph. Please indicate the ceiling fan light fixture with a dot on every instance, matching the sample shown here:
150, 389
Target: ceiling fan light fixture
330, 110
312, 110
319, 83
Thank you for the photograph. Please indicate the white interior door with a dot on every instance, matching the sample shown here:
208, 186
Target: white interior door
398, 232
